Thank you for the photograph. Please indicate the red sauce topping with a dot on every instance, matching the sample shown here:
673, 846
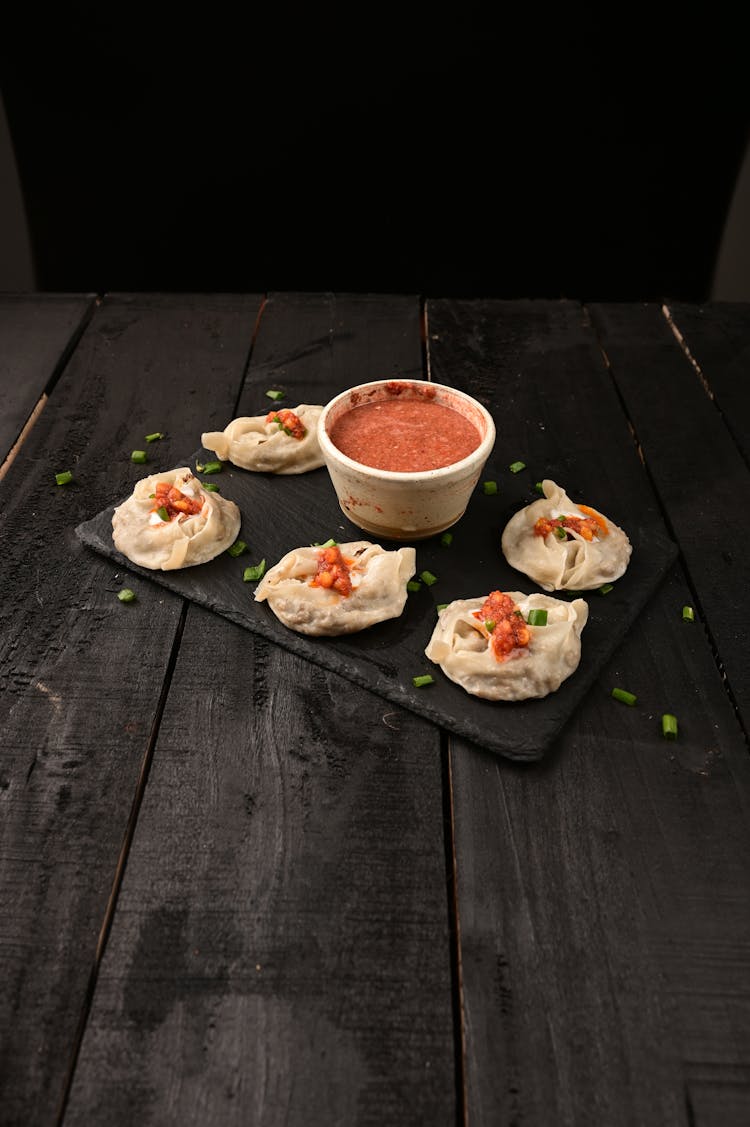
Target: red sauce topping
333, 571
508, 629
287, 421
406, 435
176, 503
587, 527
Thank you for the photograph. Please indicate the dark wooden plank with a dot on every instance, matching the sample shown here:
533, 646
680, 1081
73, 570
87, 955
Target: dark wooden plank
603, 894
698, 471
281, 950
717, 337
36, 332
82, 673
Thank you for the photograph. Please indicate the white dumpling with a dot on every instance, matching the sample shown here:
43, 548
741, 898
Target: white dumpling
461, 644
378, 587
264, 442
185, 538
572, 560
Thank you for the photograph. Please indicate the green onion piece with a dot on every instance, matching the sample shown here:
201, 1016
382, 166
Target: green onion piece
126, 595
412, 585
539, 487
425, 679
446, 539
138, 456
441, 606
560, 532
606, 588
669, 726
537, 617
212, 467
63, 478
237, 548
255, 572
163, 512
153, 437
516, 467
489, 488
490, 625
210, 487
624, 696
688, 615
199, 467
272, 393
428, 578
328, 544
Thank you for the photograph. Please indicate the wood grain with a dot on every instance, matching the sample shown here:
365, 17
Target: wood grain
82, 673
281, 947
602, 895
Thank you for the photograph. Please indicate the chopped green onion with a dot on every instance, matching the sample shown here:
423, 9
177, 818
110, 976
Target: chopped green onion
425, 679
489, 488
428, 578
537, 617
237, 548
126, 595
560, 532
210, 487
153, 437
539, 487
688, 615
138, 456
255, 572
606, 588
490, 625
516, 467
413, 585
328, 544
162, 512
624, 696
446, 539
669, 726
63, 478
441, 606
272, 393
212, 467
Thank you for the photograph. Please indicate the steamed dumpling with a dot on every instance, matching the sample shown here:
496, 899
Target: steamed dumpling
563, 546
198, 526
338, 589
284, 441
486, 645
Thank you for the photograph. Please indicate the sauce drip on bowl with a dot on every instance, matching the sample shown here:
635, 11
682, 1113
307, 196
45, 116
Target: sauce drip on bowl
405, 435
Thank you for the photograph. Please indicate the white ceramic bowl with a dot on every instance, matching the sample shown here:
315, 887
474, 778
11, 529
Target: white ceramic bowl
400, 505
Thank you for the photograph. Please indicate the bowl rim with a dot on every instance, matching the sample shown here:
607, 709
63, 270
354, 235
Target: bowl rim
479, 455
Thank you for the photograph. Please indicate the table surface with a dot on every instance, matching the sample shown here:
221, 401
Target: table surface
237, 887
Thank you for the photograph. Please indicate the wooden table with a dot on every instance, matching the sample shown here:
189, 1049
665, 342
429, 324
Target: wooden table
235, 888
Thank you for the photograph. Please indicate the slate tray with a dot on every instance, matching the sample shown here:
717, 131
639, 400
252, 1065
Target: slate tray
284, 512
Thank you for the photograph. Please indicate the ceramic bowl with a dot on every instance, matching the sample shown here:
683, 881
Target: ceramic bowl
398, 505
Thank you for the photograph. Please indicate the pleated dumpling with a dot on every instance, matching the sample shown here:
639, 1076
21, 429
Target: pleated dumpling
337, 589
284, 441
170, 521
563, 546
509, 646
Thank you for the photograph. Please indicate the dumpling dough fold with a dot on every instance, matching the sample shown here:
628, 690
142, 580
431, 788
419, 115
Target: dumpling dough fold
254, 444
460, 645
183, 541
572, 563
378, 580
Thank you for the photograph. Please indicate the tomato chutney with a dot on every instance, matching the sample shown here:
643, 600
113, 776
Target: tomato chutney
406, 435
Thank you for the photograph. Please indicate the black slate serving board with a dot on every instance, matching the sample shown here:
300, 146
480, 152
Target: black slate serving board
284, 512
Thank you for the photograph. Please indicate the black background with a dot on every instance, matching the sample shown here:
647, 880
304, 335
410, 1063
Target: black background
391, 151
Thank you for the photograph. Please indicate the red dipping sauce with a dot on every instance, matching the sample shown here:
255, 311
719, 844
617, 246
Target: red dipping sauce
405, 435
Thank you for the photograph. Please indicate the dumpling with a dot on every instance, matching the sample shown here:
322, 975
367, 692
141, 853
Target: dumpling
563, 546
488, 646
283, 441
338, 589
170, 521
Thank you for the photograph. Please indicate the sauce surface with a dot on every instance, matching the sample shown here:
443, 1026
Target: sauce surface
405, 435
